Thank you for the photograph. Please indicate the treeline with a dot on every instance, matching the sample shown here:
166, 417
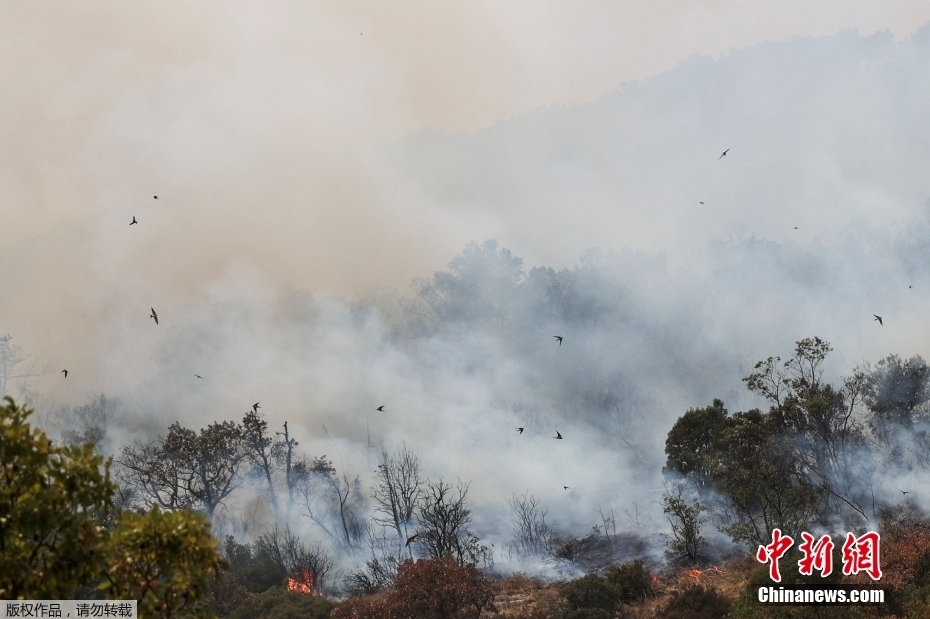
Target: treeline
825, 457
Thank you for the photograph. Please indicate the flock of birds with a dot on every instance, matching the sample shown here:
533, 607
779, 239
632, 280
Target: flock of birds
558, 338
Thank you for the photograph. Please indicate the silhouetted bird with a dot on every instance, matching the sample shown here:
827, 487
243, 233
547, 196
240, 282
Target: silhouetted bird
521, 430
199, 376
558, 435
154, 315
380, 408
559, 338
156, 197
879, 319
133, 220
723, 155
796, 228
910, 286
65, 372
256, 406
566, 487
411, 539
905, 492
702, 203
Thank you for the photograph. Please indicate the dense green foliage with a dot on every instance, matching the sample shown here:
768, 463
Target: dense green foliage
690, 442
632, 581
54, 503
163, 560
49, 495
595, 596
811, 459
591, 591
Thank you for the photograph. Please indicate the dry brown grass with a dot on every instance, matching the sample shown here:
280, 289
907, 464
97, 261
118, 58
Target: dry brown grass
522, 597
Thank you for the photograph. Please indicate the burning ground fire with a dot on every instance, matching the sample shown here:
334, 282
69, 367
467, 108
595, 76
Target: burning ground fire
304, 585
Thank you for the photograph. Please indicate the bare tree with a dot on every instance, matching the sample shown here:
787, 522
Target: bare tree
16, 365
398, 488
532, 536
260, 450
310, 565
444, 519
152, 476
609, 522
89, 423
334, 504
380, 569
284, 455
185, 469
349, 497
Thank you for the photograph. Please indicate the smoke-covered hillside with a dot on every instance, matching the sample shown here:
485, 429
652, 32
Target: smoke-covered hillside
281, 279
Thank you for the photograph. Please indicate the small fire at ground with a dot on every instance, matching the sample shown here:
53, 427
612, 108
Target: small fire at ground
303, 585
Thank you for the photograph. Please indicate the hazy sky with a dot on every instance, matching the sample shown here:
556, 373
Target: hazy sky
341, 149
263, 129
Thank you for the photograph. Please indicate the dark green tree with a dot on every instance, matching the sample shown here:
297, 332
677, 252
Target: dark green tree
163, 560
49, 498
760, 477
54, 502
690, 443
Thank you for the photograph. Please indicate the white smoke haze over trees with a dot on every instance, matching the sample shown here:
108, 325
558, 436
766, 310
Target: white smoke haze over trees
325, 283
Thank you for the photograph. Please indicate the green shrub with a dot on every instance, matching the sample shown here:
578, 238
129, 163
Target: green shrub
747, 606
697, 602
260, 573
633, 581
589, 592
279, 603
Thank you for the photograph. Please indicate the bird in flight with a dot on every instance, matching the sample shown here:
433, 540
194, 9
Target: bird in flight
411, 538
256, 406
796, 228
521, 430
558, 435
380, 408
905, 492
65, 372
879, 319
198, 376
910, 286
133, 220
154, 315
702, 203
156, 197
723, 155
559, 338
566, 487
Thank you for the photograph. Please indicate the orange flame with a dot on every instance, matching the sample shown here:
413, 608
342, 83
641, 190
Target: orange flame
693, 574
305, 585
